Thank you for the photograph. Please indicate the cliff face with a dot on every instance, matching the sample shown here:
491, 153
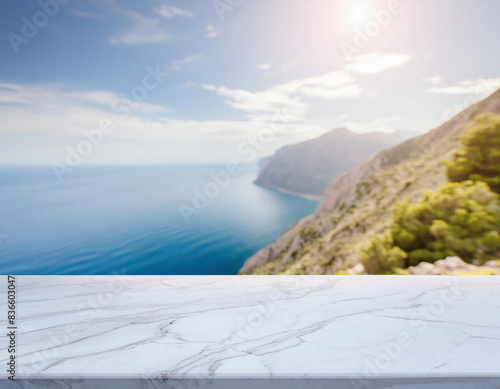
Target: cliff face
359, 203
309, 167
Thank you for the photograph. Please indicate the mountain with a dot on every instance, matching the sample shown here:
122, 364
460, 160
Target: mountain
262, 161
307, 168
359, 203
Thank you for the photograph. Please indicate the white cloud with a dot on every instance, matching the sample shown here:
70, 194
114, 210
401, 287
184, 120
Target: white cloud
14, 94
433, 80
39, 122
264, 66
333, 85
479, 87
209, 87
375, 62
379, 125
170, 11
210, 31
179, 63
290, 64
268, 101
343, 92
140, 29
45, 95
328, 80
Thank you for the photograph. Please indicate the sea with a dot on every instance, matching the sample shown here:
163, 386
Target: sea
138, 220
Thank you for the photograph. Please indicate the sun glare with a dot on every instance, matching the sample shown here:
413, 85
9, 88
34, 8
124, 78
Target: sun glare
358, 13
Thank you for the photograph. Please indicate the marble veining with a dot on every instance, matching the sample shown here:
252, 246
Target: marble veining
210, 327
335, 383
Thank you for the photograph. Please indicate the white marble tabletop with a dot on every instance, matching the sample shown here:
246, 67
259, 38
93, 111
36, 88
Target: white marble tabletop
254, 326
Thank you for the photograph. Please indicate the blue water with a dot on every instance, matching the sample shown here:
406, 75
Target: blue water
125, 220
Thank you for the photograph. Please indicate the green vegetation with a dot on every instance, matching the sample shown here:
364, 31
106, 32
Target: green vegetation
461, 218
479, 157
381, 256
360, 205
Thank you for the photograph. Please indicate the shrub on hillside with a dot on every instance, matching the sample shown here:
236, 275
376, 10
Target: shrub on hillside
479, 157
380, 256
459, 219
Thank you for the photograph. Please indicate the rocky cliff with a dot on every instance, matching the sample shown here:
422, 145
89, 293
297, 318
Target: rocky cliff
359, 203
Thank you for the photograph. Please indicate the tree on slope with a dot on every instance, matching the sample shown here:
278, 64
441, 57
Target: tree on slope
479, 157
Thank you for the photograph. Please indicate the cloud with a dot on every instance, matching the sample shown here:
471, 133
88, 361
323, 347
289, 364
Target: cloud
433, 80
107, 99
480, 87
327, 85
290, 64
210, 31
268, 101
140, 29
54, 116
375, 62
170, 11
39, 123
379, 125
46, 95
209, 87
178, 64
333, 85
343, 92
279, 70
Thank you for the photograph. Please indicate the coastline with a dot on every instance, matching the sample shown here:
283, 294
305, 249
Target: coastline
289, 192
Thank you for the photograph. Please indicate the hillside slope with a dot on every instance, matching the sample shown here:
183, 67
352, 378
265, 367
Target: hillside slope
307, 168
359, 203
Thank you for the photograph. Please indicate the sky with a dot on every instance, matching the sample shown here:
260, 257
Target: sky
192, 82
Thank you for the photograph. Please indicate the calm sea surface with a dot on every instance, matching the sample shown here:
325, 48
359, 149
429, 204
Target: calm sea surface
126, 220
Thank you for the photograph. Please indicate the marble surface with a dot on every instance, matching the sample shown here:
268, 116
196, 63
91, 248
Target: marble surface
226, 327
332, 383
